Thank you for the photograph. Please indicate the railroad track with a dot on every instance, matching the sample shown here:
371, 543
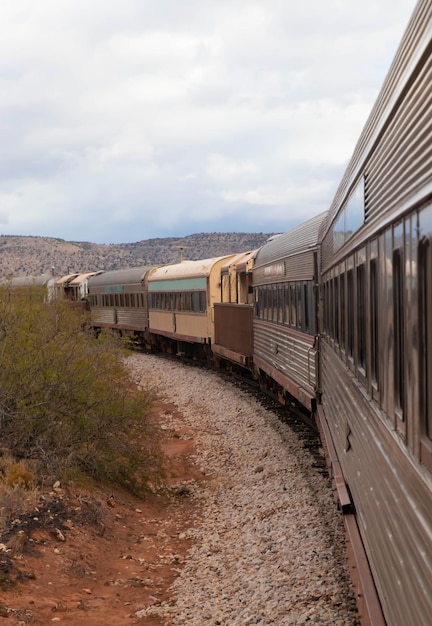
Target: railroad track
301, 422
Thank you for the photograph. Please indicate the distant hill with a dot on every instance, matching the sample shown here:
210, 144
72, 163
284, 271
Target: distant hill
22, 256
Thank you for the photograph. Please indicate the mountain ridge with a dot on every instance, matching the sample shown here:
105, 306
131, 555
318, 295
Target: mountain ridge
24, 255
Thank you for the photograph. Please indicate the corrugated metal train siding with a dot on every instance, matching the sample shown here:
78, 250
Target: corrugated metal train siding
297, 267
132, 318
383, 493
295, 242
402, 162
288, 352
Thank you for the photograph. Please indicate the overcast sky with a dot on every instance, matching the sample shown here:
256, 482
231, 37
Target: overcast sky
123, 120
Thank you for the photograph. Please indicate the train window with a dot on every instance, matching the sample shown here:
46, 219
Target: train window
350, 313
280, 304
325, 303
269, 295
203, 301
306, 307
195, 302
398, 322
361, 318
293, 305
374, 321
299, 305
329, 308
331, 302
274, 303
286, 305
342, 305
336, 306
264, 303
425, 321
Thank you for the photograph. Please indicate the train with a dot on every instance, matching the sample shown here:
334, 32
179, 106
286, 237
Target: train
334, 317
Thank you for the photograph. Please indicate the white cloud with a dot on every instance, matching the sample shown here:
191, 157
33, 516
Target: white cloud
171, 116
222, 167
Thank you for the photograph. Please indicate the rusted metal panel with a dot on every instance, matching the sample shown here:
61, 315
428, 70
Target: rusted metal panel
392, 499
233, 327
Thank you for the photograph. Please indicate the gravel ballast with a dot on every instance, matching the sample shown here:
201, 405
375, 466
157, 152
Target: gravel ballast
269, 547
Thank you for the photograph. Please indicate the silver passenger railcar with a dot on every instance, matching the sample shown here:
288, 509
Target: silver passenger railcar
118, 301
285, 277
377, 334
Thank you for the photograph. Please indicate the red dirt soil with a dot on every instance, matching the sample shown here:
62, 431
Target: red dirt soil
97, 557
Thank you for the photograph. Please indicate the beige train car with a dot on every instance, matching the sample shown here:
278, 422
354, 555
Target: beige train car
233, 316
181, 304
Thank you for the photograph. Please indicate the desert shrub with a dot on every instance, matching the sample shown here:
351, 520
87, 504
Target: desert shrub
66, 399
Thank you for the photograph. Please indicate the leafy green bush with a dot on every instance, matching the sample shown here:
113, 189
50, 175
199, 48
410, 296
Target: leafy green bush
66, 401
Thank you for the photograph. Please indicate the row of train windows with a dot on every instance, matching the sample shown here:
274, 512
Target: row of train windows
290, 304
118, 300
355, 319
347, 323
193, 301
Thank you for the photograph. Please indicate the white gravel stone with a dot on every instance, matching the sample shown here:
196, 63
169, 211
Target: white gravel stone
269, 548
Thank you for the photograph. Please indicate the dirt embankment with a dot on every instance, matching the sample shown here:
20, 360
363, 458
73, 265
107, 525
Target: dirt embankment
98, 557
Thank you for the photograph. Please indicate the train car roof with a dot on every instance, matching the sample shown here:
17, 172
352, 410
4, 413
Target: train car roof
28, 281
299, 239
187, 269
65, 279
81, 277
239, 261
127, 276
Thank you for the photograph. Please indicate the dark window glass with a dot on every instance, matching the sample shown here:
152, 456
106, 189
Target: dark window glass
280, 306
361, 316
299, 305
286, 305
331, 308
293, 304
203, 301
306, 307
425, 327
350, 313
398, 322
336, 305
374, 320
